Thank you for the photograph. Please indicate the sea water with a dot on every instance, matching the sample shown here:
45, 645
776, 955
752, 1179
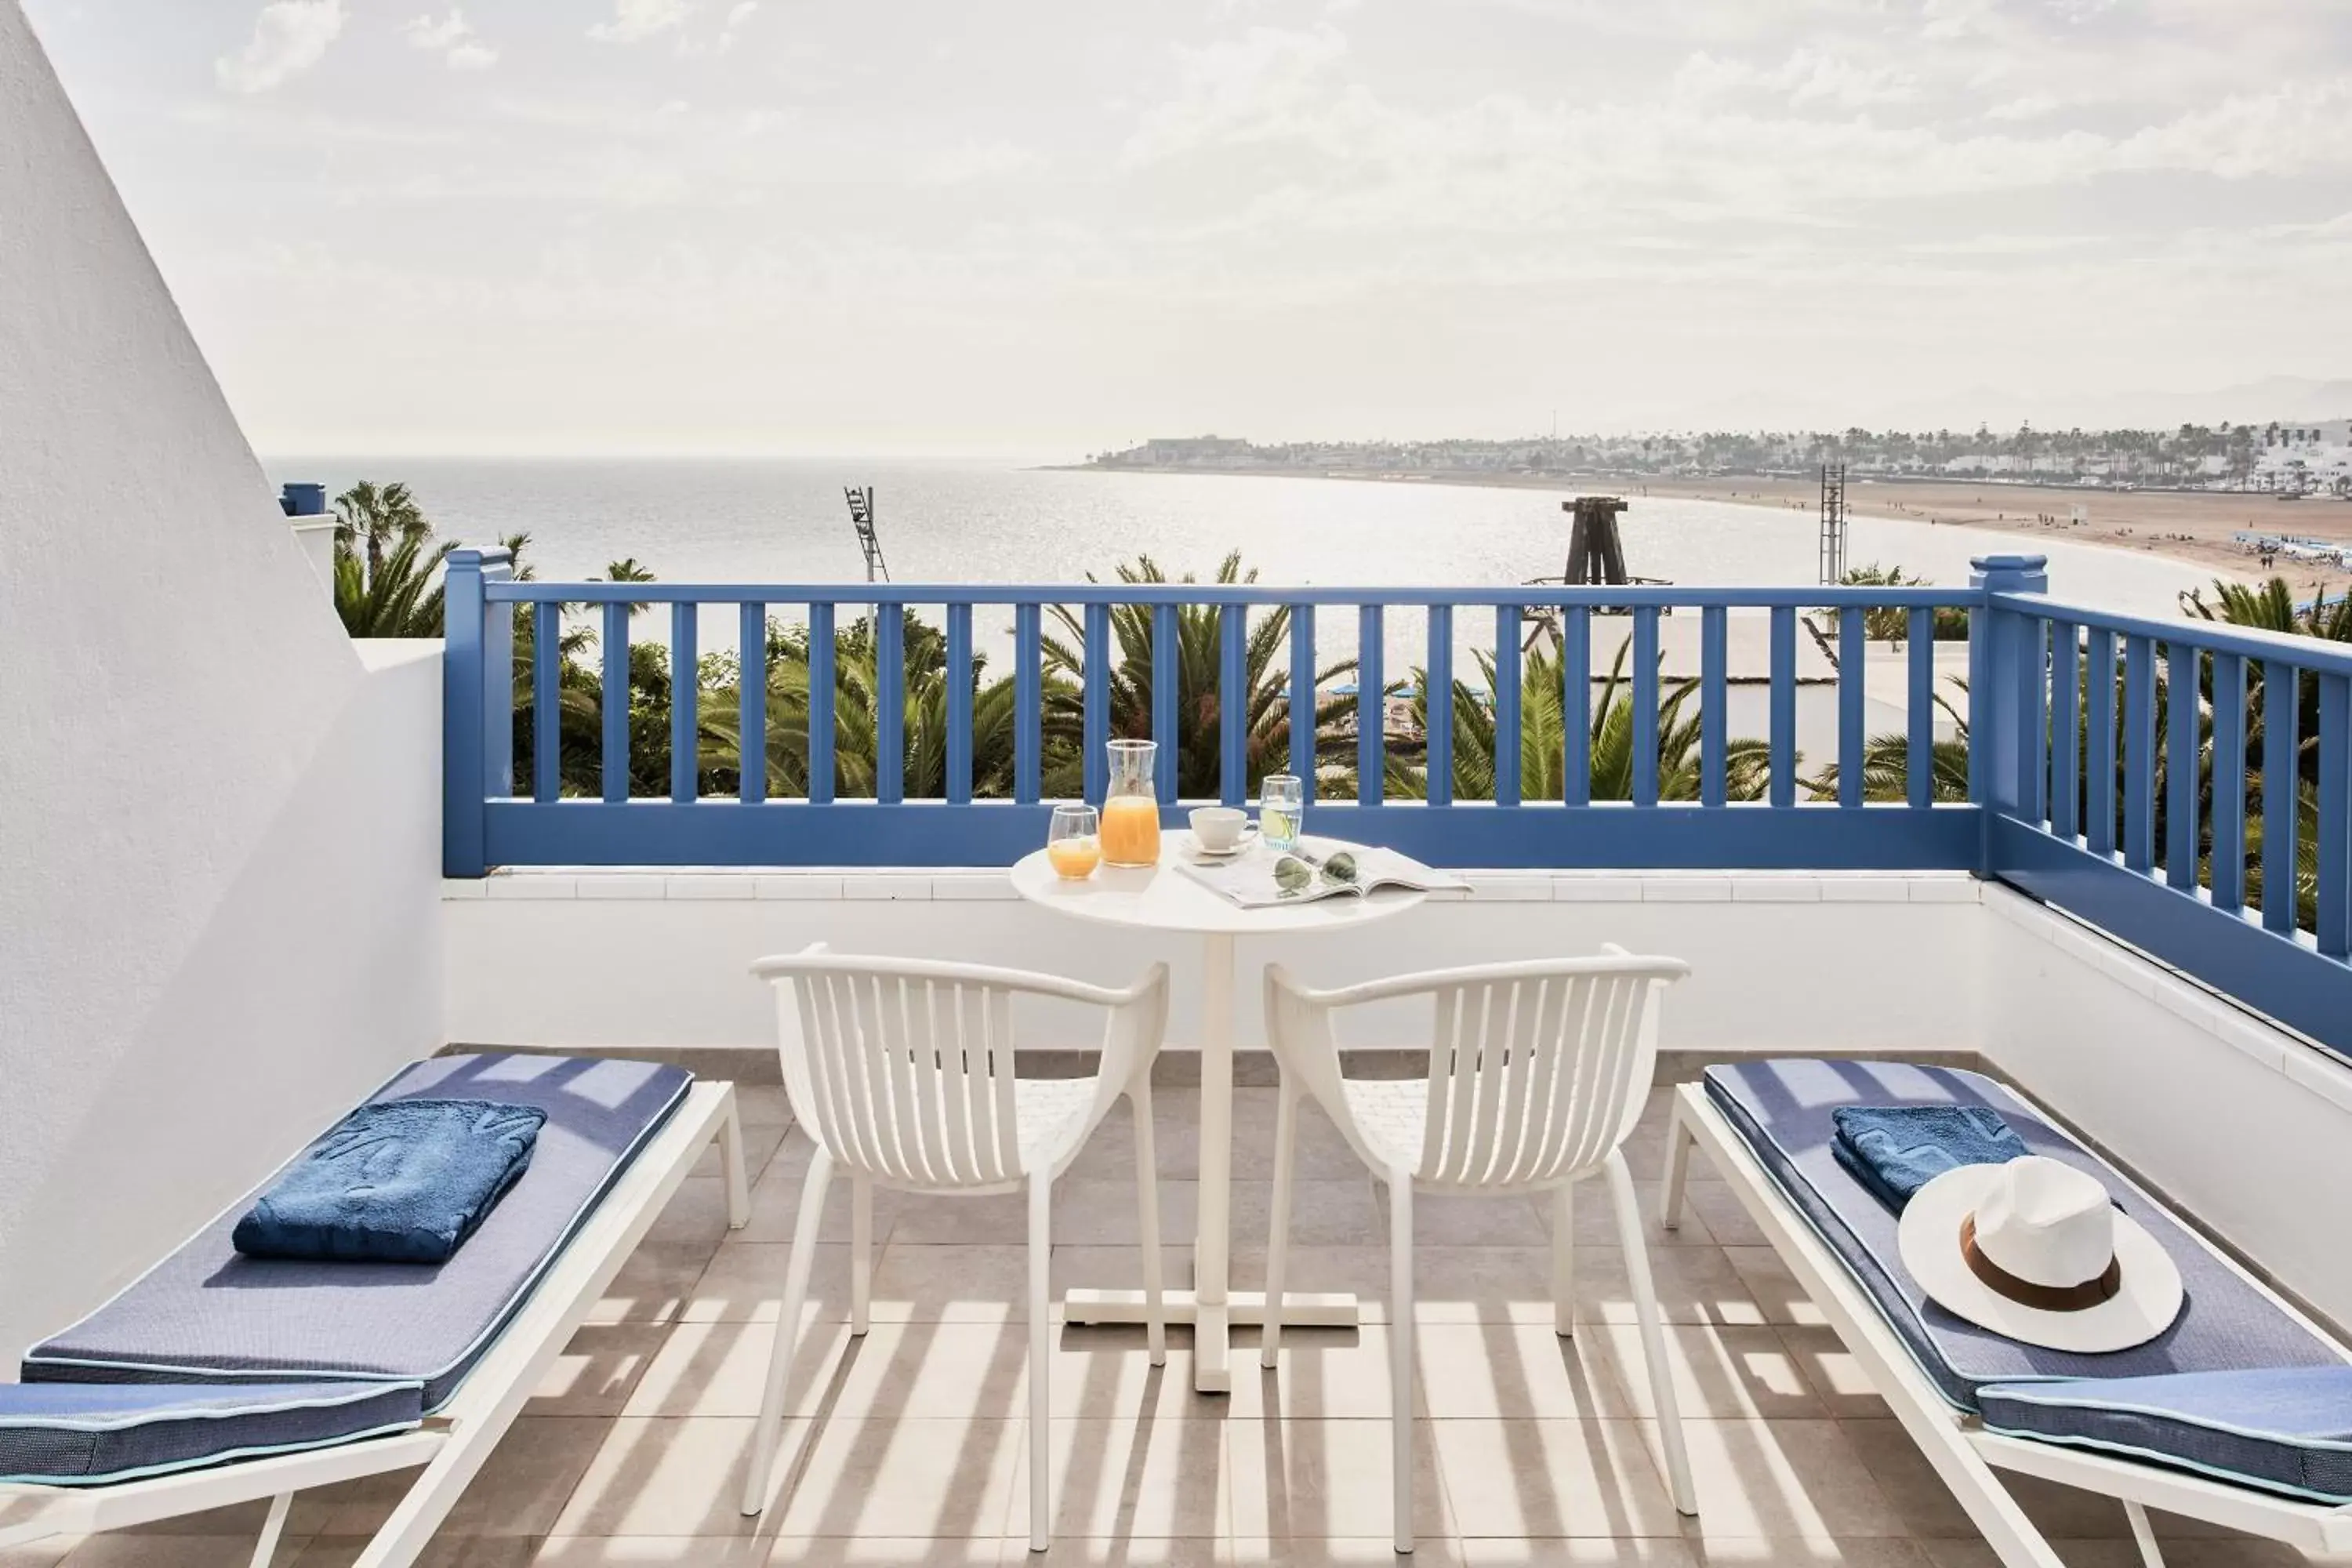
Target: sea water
784, 521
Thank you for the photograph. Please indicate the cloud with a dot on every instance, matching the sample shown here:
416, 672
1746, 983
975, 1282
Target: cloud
454, 40
707, 42
1253, 87
1806, 77
289, 37
2032, 106
974, 161
637, 19
427, 34
1501, 191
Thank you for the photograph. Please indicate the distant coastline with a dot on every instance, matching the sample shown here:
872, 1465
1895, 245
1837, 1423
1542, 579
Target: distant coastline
2194, 527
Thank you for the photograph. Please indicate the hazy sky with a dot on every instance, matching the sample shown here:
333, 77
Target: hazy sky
1045, 225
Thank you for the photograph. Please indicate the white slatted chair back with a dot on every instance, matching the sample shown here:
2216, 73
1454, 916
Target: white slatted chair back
903, 1069
1536, 1071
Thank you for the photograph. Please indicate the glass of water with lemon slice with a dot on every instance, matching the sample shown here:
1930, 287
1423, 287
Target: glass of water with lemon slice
1281, 801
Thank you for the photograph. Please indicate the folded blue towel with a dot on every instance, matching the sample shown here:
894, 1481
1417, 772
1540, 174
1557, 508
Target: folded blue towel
398, 1180
1895, 1150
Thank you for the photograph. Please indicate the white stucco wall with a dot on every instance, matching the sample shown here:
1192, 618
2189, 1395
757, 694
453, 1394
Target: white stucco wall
625, 959
2246, 1127
217, 854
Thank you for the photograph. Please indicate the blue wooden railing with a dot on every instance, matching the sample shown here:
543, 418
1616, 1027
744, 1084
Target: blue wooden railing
490, 822
2065, 760
2084, 742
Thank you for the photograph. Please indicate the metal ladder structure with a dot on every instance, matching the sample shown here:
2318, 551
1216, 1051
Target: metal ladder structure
1832, 523
861, 518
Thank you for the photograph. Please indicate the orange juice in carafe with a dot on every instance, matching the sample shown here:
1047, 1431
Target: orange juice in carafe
1131, 812
1130, 831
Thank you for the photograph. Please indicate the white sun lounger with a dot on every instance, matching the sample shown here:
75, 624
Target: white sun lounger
1962, 1452
454, 1440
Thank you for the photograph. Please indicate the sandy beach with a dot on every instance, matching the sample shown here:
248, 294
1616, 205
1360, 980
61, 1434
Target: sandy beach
2186, 525
2191, 526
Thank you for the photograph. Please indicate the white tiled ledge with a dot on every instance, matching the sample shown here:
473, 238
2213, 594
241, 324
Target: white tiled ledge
1486, 887
2279, 1050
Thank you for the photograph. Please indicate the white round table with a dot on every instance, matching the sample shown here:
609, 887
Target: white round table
1163, 898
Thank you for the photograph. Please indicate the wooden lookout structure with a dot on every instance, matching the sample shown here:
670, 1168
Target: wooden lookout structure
1596, 558
1595, 552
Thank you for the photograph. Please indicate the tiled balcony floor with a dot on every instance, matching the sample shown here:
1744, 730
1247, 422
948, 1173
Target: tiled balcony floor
912, 1446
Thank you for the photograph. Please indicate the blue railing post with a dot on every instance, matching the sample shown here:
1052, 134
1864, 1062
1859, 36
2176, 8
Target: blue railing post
1301, 704
685, 710
1371, 705
1028, 703
1783, 729
890, 703
825, 650
1507, 745
477, 689
959, 704
1233, 704
546, 701
2333, 926
2004, 707
752, 703
1095, 726
1437, 707
498, 682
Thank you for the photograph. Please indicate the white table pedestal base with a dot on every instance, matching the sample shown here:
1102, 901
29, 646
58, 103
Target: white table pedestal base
1163, 898
1211, 1306
1211, 1367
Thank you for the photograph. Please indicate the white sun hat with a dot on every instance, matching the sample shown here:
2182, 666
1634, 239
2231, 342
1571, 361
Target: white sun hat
2035, 1251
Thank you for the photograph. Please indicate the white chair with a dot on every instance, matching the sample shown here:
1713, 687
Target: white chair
1537, 1074
902, 1073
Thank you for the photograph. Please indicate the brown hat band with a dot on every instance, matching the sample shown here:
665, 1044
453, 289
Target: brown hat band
2026, 1293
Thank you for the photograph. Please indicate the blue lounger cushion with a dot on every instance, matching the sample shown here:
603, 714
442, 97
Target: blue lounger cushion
1783, 1110
2284, 1429
397, 1180
208, 1313
89, 1434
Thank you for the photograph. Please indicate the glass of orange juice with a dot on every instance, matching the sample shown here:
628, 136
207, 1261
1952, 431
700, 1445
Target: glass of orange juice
1130, 812
1073, 842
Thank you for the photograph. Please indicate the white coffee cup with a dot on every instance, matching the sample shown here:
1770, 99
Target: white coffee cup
1219, 828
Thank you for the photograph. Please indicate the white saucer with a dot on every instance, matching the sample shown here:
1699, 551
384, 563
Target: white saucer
1203, 852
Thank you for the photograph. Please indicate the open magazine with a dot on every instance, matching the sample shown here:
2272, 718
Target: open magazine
1261, 878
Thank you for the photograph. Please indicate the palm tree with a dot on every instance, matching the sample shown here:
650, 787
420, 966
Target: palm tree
2306, 854
579, 691
2272, 607
648, 697
1892, 623
373, 519
1543, 732
628, 569
397, 595
1886, 762
386, 563
856, 706
1198, 745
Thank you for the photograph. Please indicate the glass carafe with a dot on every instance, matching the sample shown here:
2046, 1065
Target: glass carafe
1130, 810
